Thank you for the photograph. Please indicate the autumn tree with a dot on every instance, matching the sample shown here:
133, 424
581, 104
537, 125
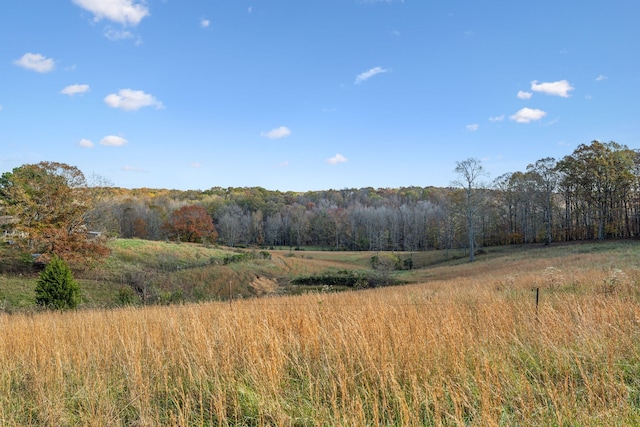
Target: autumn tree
505, 201
523, 187
634, 208
339, 220
191, 223
545, 176
299, 224
50, 201
596, 182
321, 228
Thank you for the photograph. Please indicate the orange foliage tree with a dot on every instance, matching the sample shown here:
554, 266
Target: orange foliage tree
50, 201
191, 223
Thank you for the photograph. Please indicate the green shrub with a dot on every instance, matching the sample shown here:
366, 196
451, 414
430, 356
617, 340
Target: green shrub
386, 262
342, 278
230, 259
245, 256
408, 263
56, 288
126, 296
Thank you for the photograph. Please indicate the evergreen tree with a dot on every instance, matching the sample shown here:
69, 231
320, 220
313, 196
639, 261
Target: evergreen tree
56, 288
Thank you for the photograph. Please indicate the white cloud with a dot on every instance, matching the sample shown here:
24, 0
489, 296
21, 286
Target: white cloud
601, 77
35, 62
250, 9
125, 12
524, 95
116, 34
559, 88
496, 118
338, 158
204, 23
277, 133
196, 165
131, 100
75, 89
473, 127
527, 115
113, 141
0, 107
283, 164
86, 143
370, 73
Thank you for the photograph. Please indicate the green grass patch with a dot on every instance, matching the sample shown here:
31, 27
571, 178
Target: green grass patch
17, 292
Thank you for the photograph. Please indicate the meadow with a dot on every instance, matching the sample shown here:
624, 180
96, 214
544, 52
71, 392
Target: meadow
466, 344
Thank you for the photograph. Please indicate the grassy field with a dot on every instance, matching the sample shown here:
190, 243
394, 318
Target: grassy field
465, 346
152, 272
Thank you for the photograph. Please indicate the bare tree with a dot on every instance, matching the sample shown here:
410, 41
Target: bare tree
470, 172
230, 224
273, 229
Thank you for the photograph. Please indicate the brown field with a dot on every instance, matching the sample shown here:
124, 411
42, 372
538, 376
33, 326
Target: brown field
466, 347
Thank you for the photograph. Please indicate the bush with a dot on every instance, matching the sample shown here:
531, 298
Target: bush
126, 296
386, 262
56, 288
342, 278
231, 259
408, 263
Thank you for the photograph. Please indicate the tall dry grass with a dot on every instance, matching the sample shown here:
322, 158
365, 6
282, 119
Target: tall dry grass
471, 351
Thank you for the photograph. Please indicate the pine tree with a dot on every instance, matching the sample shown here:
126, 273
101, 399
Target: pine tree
56, 288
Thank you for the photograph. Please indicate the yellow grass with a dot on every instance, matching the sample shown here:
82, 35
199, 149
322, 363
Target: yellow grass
455, 351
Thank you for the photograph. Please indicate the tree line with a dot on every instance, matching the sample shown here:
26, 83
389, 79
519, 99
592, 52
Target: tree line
593, 193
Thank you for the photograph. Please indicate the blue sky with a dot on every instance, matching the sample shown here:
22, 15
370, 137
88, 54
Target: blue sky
312, 94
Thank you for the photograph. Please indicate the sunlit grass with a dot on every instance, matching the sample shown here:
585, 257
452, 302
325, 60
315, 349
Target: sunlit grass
469, 347
158, 254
